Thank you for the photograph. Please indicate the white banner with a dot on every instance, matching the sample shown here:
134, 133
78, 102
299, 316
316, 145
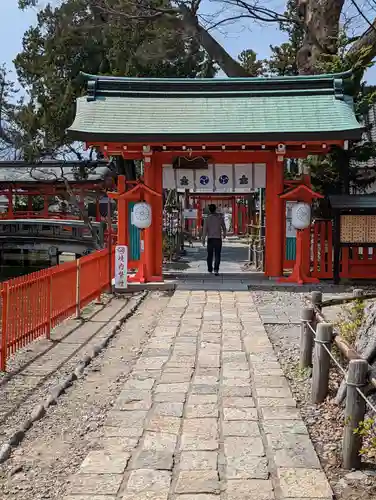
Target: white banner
259, 175
169, 181
220, 178
121, 266
224, 182
204, 180
243, 177
185, 179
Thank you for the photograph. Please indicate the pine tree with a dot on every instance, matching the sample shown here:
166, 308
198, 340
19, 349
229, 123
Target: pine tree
72, 38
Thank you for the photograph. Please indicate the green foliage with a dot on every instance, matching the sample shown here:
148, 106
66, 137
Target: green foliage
74, 37
21, 203
339, 171
350, 320
283, 59
249, 61
367, 430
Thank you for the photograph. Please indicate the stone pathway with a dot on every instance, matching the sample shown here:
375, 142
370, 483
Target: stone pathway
206, 414
191, 272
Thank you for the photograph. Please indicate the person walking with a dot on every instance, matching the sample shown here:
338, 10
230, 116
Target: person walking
214, 228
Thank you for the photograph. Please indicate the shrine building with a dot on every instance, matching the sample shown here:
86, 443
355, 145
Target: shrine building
199, 134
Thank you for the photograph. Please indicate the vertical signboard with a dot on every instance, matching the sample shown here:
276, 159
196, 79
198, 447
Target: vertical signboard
290, 251
121, 266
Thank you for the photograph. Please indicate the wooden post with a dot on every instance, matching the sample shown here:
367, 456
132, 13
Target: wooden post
158, 219
316, 299
236, 217
306, 337
78, 295
148, 235
337, 248
275, 219
122, 236
354, 413
321, 365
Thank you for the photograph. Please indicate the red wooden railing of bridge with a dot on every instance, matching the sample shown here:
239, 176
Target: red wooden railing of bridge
34, 304
38, 215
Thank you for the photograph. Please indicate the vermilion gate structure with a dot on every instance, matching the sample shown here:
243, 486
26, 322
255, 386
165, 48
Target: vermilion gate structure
232, 122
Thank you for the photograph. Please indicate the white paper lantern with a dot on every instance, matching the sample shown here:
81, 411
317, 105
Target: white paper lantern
141, 215
301, 215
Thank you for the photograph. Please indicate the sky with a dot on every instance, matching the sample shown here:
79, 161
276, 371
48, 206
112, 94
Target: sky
15, 22
237, 38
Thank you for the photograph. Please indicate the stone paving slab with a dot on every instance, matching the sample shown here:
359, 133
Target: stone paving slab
206, 414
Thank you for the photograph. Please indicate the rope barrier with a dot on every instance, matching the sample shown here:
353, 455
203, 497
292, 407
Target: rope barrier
368, 402
338, 365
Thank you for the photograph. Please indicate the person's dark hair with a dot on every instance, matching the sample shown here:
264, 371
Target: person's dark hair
212, 208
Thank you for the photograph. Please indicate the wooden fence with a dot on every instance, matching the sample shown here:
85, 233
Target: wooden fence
34, 304
317, 339
356, 262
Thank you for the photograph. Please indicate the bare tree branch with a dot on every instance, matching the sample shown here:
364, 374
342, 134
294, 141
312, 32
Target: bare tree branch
68, 195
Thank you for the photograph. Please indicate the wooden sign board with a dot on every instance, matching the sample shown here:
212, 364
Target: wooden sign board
358, 229
121, 266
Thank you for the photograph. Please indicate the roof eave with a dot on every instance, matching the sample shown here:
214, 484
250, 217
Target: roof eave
320, 136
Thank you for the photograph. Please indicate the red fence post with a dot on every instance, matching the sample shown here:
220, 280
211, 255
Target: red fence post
99, 283
4, 323
78, 294
49, 305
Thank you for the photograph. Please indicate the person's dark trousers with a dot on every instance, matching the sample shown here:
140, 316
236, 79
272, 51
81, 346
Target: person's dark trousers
214, 248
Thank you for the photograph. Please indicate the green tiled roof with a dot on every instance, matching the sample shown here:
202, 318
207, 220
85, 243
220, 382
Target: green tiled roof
298, 108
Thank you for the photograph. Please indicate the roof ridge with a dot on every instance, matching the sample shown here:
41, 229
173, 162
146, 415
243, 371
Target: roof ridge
324, 76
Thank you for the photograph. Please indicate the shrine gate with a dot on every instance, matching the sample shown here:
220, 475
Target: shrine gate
191, 128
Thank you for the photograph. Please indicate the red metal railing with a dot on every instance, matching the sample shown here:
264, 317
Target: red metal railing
34, 304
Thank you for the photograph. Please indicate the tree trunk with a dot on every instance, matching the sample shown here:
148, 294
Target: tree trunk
71, 198
321, 20
214, 50
125, 167
365, 344
365, 46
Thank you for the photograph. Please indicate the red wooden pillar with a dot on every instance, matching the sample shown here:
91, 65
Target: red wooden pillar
10, 203
199, 216
29, 202
233, 203
122, 237
149, 234
236, 217
157, 166
275, 219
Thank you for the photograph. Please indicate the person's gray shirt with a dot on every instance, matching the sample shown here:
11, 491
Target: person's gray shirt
214, 227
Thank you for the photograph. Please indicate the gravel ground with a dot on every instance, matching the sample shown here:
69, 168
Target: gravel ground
56, 445
325, 421
26, 383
